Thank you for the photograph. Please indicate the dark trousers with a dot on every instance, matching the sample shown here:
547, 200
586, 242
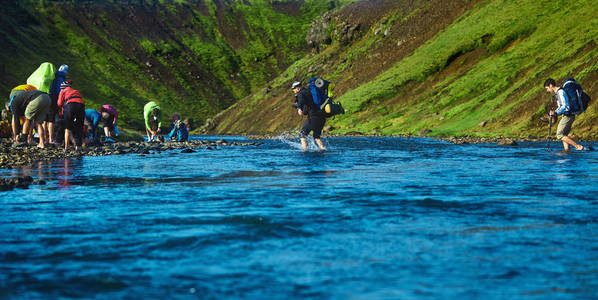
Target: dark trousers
74, 116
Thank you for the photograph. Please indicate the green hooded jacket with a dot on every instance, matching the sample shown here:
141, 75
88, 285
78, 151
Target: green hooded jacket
147, 113
42, 77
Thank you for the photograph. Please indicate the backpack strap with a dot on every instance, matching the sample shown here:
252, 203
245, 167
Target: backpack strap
72, 97
10, 103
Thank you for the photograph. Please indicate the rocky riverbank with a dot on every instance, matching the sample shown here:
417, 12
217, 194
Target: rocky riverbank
459, 140
14, 155
22, 182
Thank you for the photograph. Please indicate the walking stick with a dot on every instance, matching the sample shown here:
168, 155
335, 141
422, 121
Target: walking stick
549, 129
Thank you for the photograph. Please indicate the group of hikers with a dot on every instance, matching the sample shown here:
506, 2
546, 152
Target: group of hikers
50, 104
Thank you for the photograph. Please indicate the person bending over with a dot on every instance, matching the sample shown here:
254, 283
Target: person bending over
151, 114
55, 88
109, 115
73, 110
178, 129
34, 106
92, 119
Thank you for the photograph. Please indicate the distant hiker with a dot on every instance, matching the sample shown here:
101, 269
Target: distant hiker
109, 115
564, 109
315, 118
92, 119
151, 114
178, 129
33, 105
73, 110
55, 88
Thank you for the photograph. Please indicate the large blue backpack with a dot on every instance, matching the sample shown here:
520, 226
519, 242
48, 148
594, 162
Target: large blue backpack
578, 99
319, 90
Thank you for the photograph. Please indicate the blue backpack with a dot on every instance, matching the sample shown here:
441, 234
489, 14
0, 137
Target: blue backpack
319, 90
578, 99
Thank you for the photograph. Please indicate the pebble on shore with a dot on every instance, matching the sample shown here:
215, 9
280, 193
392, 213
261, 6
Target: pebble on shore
13, 155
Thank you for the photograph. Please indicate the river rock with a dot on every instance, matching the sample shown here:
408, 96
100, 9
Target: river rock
507, 142
424, 132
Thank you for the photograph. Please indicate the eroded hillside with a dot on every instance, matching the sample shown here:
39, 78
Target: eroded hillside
196, 57
438, 68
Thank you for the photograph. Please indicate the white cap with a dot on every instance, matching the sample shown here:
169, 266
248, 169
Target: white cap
295, 84
64, 68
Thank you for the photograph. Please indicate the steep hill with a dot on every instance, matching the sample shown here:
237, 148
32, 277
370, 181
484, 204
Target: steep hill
196, 57
437, 67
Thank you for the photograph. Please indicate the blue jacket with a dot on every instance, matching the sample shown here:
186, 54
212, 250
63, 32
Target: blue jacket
93, 117
178, 130
562, 100
59, 78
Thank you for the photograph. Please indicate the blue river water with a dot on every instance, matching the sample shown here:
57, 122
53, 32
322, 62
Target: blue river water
371, 218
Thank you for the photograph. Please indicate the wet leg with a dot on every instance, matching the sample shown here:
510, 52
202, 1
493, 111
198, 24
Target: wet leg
303, 144
320, 144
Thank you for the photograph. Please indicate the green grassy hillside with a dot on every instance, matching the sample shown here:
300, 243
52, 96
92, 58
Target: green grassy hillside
195, 57
483, 63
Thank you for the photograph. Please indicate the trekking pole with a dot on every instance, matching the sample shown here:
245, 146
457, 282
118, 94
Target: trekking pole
549, 129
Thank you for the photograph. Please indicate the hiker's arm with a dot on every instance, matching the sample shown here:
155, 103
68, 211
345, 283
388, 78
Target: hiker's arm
61, 98
115, 117
14, 127
94, 126
562, 101
146, 118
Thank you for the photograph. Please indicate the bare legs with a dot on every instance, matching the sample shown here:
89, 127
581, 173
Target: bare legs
568, 141
50, 126
318, 142
69, 137
15, 134
28, 128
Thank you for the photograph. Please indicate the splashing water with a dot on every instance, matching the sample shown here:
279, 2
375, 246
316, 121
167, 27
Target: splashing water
291, 138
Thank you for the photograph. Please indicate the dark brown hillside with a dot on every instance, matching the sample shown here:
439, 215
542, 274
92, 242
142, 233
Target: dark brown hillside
421, 21
398, 28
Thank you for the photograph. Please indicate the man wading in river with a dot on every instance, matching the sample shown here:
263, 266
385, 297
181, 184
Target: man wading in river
564, 109
315, 118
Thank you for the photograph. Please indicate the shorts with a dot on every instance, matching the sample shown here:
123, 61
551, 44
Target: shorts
564, 126
38, 108
313, 124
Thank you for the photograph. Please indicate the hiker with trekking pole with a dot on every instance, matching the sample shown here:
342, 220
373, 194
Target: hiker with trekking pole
570, 101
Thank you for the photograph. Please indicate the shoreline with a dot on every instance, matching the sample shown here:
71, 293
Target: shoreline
22, 155
14, 156
458, 140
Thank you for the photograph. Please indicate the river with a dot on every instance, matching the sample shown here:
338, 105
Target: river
371, 218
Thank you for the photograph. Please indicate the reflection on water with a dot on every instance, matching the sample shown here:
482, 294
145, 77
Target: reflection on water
371, 218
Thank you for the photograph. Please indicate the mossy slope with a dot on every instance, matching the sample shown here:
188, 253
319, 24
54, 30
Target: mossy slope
195, 57
485, 65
